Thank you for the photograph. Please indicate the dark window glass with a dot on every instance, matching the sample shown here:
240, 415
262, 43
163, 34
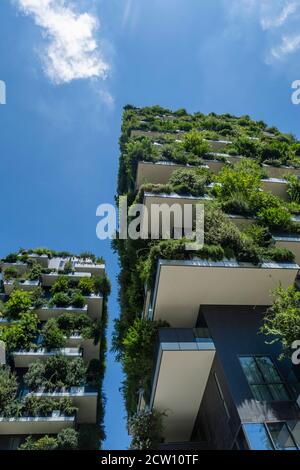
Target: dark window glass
251, 370
281, 436
295, 428
264, 379
258, 437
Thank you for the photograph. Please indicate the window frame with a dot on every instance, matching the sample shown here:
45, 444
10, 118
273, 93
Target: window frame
265, 424
265, 383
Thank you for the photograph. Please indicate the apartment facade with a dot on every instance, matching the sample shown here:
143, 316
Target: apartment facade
216, 380
52, 331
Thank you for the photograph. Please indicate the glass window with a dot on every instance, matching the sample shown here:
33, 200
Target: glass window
264, 379
295, 429
258, 436
268, 369
251, 370
281, 436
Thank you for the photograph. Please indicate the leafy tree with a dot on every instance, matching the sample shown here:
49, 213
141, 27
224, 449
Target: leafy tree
277, 218
67, 439
60, 299
53, 336
138, 352
77, 299
11, 273
8, 387
61, 285
102, 284
193, 142
44, 443
21, 335
19, 302
86, 285
35, 272
146, 428
282, 322
191, 181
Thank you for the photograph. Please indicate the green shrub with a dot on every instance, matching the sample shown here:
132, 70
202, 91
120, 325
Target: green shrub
279, 255
282, 322
189, 181
138, 357
56, 372
8, 388
67, 439
11, 273
53, 336
102, 285
11, 258
86, 286
277, 218
34, 272
21, 335
77, 299
146, 429
61, 285
44, 443
60, 299
247, 148
294, 188
194, 143
19, 302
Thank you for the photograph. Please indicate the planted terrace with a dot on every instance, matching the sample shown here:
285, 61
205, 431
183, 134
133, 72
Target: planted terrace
247, 176
50, 335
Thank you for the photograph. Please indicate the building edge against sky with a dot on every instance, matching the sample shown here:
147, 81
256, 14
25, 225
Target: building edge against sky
199, 372
53, 347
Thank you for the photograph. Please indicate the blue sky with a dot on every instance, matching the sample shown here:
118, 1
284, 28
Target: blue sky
68, 77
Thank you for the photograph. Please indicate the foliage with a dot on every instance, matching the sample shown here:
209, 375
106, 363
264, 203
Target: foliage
53, 336
138, 357
146, 429
44, 443
86, 285
61, 285
193, 142
34, 272
56, 372
11, 272
277, 218
19, 302
294, 188
67, 439
20, 335
189, 181
8, 388
282, 323
60, 299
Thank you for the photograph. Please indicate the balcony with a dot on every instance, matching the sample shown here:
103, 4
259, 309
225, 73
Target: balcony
36, 425
182, 366
44, 313
182, 286
83, 398
50, 278
43, 260
94, 306
89, 349
160, 172
25, 285
19, 266
278, 187
218, 145
92, 268
23, 359
154, 225
290, 242
281, 171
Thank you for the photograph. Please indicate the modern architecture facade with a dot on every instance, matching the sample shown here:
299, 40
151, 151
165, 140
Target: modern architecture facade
216, 380
52, 336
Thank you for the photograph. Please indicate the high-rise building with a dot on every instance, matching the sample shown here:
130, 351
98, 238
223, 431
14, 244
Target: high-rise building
52, 350
202, 370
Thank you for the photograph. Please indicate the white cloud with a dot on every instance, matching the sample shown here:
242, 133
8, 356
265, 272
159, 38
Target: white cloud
278, 19
71, 50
